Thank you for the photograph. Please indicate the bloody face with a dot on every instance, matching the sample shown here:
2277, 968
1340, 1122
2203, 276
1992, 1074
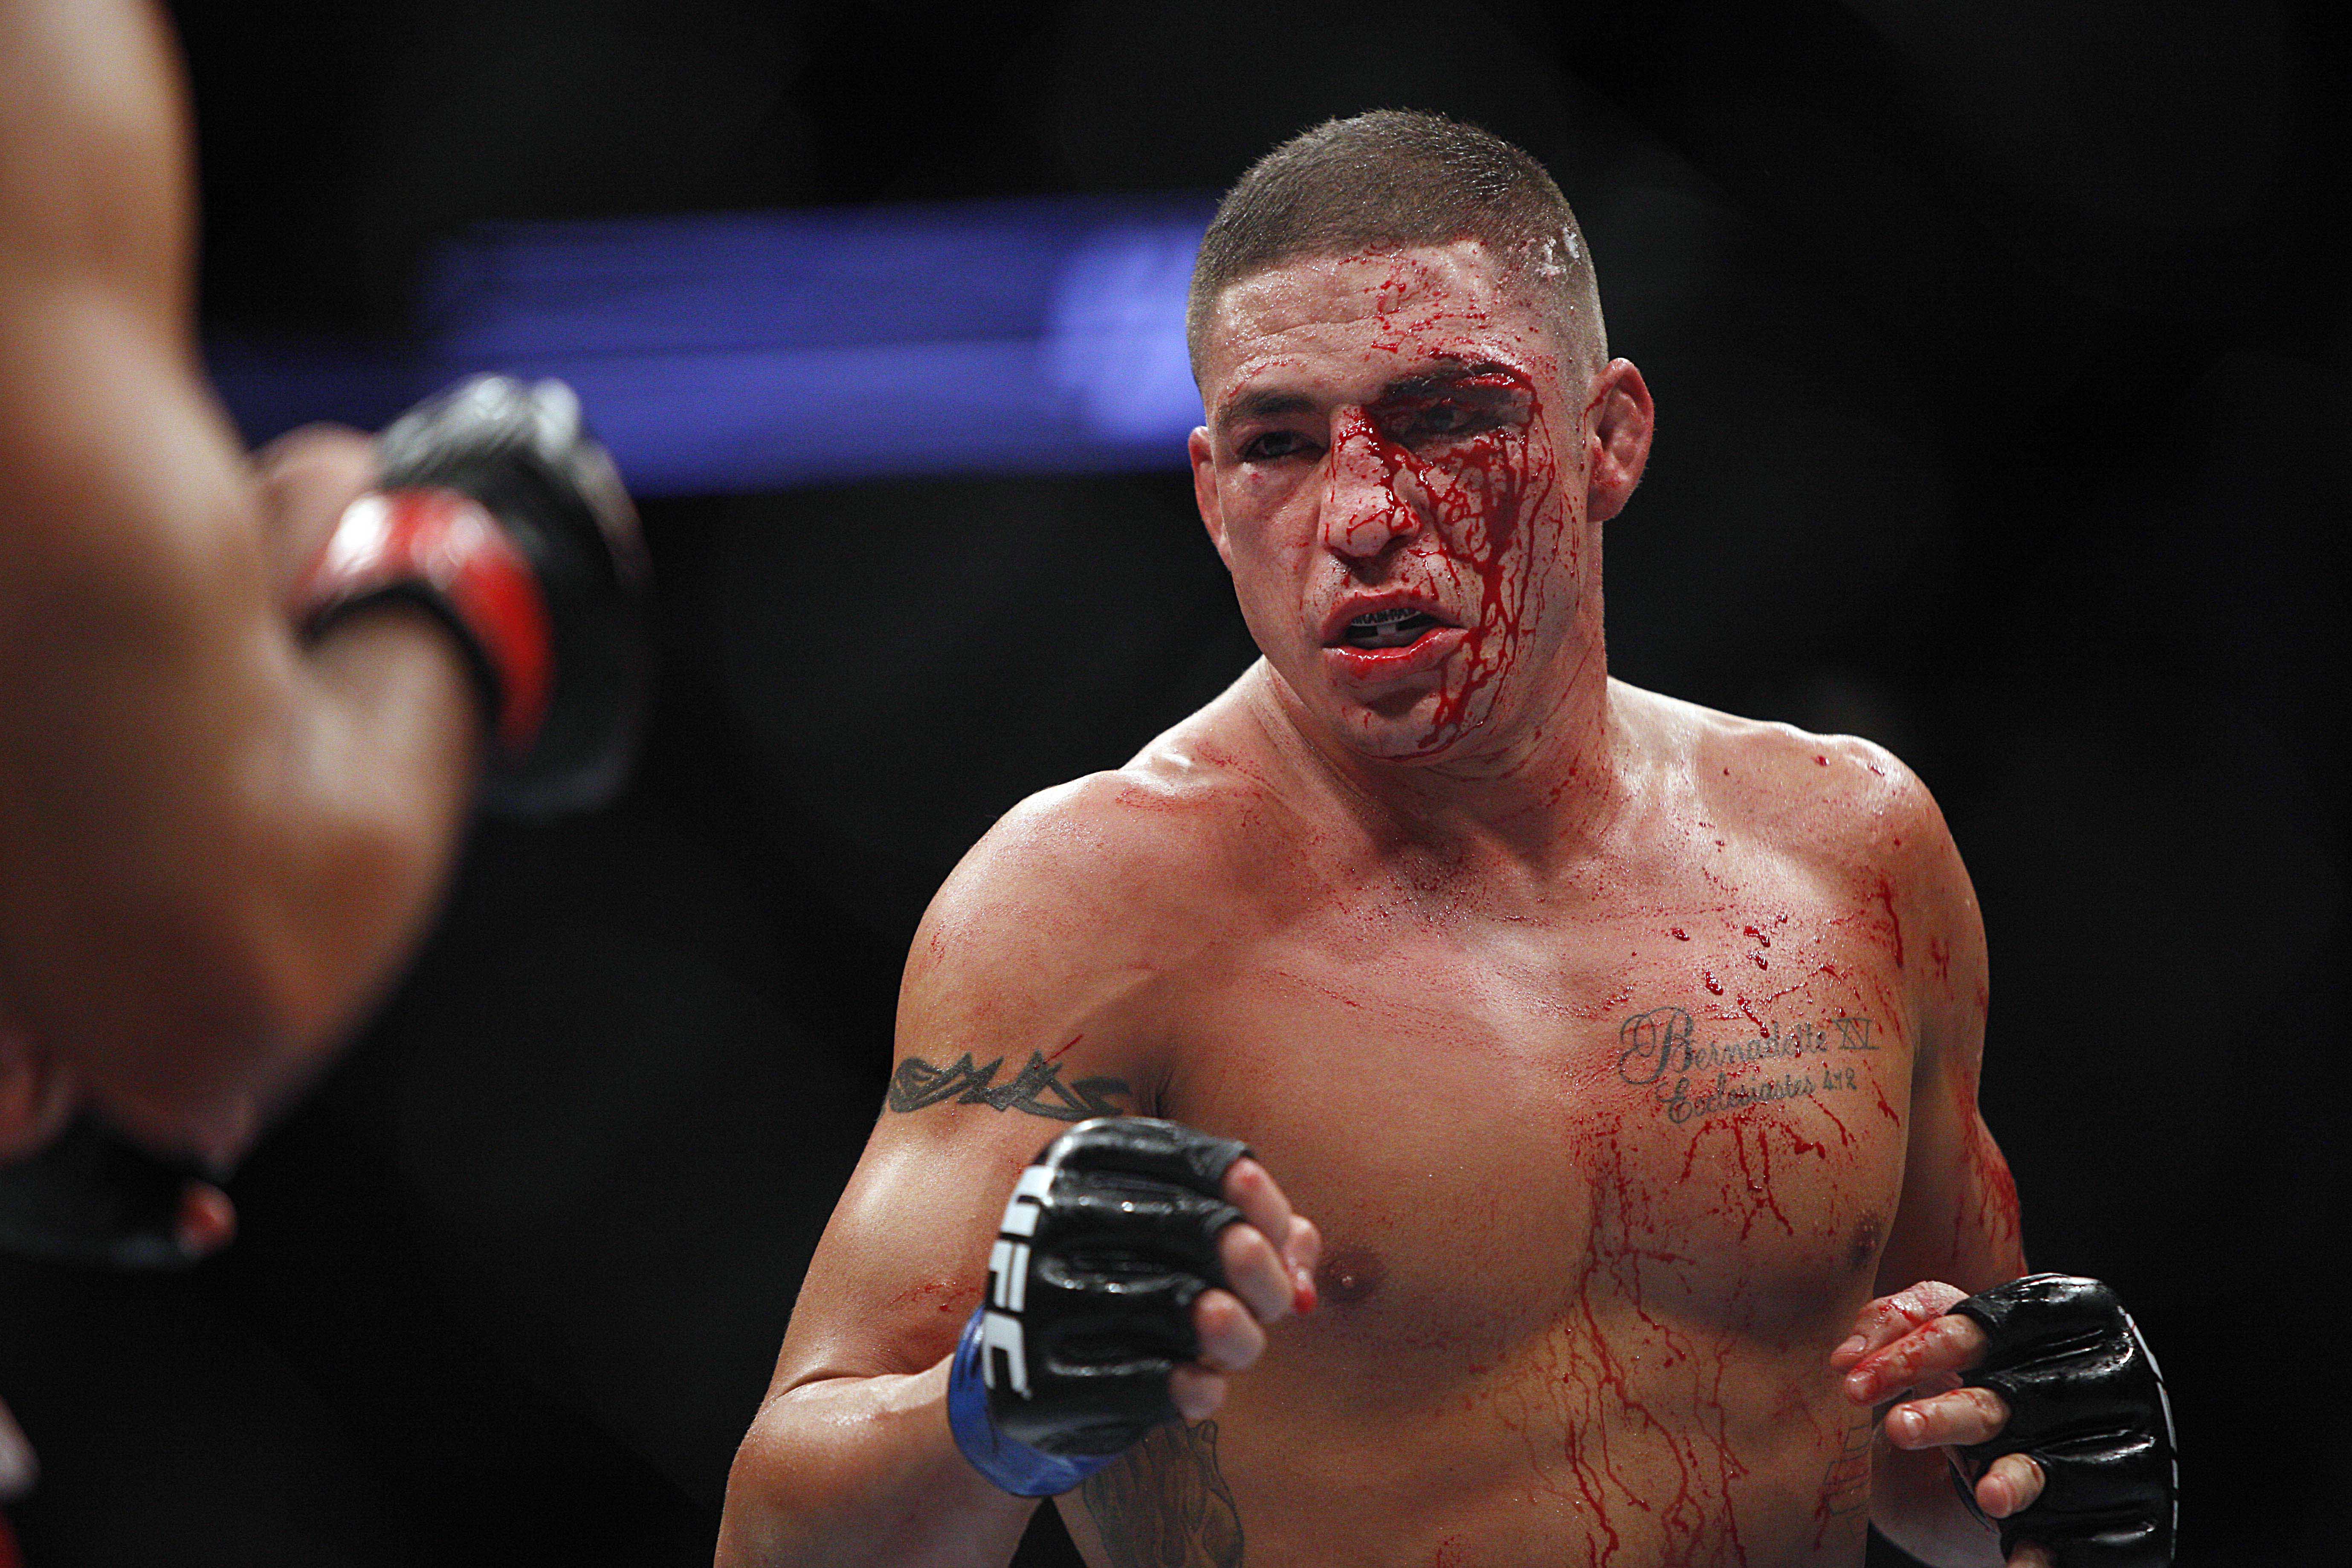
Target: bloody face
1394, 470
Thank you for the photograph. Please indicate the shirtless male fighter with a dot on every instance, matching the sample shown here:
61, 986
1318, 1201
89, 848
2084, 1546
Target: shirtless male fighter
1624, 1052
243, 707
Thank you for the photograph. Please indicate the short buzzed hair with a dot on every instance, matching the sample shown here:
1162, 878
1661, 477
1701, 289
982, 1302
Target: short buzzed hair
1390, 180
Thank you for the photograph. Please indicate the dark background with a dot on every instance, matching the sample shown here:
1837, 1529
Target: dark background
1999, 350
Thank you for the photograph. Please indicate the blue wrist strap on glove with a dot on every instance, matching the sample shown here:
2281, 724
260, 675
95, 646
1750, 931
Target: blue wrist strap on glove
1012, 1464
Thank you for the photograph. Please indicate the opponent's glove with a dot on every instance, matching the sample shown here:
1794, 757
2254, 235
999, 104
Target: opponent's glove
91, 1196
496, 512
2087, 1405
1105, 1243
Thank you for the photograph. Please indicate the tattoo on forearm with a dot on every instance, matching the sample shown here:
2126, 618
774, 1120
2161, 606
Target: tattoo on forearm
1693, 1078
1165, 1504
1036, 1089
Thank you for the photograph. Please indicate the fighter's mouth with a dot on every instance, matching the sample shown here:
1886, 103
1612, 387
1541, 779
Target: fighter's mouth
1399, 626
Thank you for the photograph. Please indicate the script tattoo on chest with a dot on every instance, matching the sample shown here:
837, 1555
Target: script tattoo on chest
1165, 1504
1036, 1089
1693, 1079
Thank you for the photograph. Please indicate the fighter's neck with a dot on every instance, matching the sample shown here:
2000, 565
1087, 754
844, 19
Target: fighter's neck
1541, 798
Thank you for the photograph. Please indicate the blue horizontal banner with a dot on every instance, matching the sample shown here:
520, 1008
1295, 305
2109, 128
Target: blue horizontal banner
759, 351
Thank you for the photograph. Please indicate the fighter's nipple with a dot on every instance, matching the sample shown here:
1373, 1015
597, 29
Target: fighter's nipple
1349, 1274
1868, 1236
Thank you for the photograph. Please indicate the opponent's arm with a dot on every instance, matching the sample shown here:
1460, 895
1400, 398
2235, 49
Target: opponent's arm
215, 840
1028, 1004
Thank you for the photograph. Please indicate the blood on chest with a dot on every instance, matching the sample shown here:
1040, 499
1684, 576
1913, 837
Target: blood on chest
1486, 1166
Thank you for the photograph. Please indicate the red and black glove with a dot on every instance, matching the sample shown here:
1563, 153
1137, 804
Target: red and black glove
499, 514
496, 512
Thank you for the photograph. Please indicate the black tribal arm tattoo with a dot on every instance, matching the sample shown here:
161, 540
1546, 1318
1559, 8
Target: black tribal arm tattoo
1036, 1089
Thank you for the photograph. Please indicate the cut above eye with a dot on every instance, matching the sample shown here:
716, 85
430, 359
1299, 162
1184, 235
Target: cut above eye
1438, 419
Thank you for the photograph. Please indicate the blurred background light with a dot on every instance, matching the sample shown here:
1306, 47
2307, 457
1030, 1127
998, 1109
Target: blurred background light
745, 352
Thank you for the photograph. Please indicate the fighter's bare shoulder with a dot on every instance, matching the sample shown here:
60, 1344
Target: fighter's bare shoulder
1847, 805
1089, 893
1831, 796
1146, 843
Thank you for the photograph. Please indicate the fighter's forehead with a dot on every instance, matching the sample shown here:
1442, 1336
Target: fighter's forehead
1362, 319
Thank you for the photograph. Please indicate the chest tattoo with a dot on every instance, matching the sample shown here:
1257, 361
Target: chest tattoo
1691, 1078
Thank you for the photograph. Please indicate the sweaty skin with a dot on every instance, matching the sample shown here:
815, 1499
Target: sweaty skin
1622, 1051
216, 843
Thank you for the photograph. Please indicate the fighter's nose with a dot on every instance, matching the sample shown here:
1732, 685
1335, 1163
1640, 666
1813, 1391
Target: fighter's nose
1365, 507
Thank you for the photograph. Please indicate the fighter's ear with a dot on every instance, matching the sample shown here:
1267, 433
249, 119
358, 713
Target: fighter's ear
1618, 446
37, 1093
1204, 491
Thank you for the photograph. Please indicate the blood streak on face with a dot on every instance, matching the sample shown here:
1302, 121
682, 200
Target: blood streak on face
1493, 492
1473, 499
1386, 479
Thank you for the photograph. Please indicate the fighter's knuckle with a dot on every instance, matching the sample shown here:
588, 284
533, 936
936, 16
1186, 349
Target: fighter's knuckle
1243, 1246
1196, 1391
1234, 1342
1922, 1303
1989, 1408
1250, 1334
1247, 1183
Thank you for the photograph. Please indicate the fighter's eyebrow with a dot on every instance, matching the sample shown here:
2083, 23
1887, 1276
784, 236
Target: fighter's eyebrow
1447, 376
1263, 406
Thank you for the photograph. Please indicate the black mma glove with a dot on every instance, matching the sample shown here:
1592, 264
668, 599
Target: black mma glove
91, 1196
1107, 1240
496, 512
2087, 1405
